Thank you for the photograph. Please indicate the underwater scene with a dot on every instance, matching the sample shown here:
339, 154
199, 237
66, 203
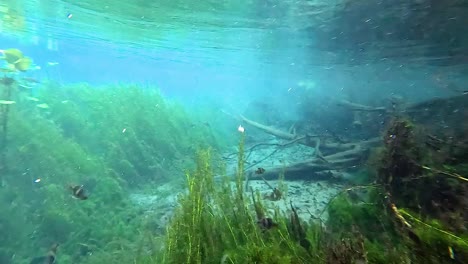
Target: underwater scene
233, 131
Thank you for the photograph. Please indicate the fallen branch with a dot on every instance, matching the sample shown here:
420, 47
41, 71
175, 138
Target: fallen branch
438, 103
328, 155
310, 140
269, 130
359, 107
307, 169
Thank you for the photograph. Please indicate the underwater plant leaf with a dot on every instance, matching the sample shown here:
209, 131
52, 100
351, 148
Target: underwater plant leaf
23, 64
12, 55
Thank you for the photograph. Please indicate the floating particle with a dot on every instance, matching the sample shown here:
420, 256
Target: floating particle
43, 106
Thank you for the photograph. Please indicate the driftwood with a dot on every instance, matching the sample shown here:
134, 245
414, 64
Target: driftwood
333, 156
319, 167
269, 130
436, 103
310, 140
359, 107
435, 115
329, 155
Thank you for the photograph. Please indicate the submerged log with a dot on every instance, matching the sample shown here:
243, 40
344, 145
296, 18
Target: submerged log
438, 104
332, 156
310, 140
329, 155
359, 107
269, 130
315, 167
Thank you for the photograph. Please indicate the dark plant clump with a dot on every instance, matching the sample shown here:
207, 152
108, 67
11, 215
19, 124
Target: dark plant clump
427, 201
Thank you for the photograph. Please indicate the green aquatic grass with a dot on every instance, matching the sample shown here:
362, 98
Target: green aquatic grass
79, 139
215, 224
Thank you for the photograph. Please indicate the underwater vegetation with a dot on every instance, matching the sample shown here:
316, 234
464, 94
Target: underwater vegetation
139, 134
215, 224
70, 155
426, 197
16, 61
68, 165
399, 221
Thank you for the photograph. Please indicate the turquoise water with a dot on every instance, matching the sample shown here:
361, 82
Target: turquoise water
354, 110
242, 44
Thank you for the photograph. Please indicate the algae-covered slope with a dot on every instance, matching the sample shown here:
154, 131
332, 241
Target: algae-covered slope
137, 132
106, 139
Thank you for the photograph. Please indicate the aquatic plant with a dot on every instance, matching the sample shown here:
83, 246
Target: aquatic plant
87, 136
214, 223
426, 203
42, 163
365, 223
138, 133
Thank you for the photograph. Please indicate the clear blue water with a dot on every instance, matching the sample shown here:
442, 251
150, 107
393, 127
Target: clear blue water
246, 48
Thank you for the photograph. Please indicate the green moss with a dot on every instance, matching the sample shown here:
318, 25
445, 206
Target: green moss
379, 253
382, 242
343, 215
56, 227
